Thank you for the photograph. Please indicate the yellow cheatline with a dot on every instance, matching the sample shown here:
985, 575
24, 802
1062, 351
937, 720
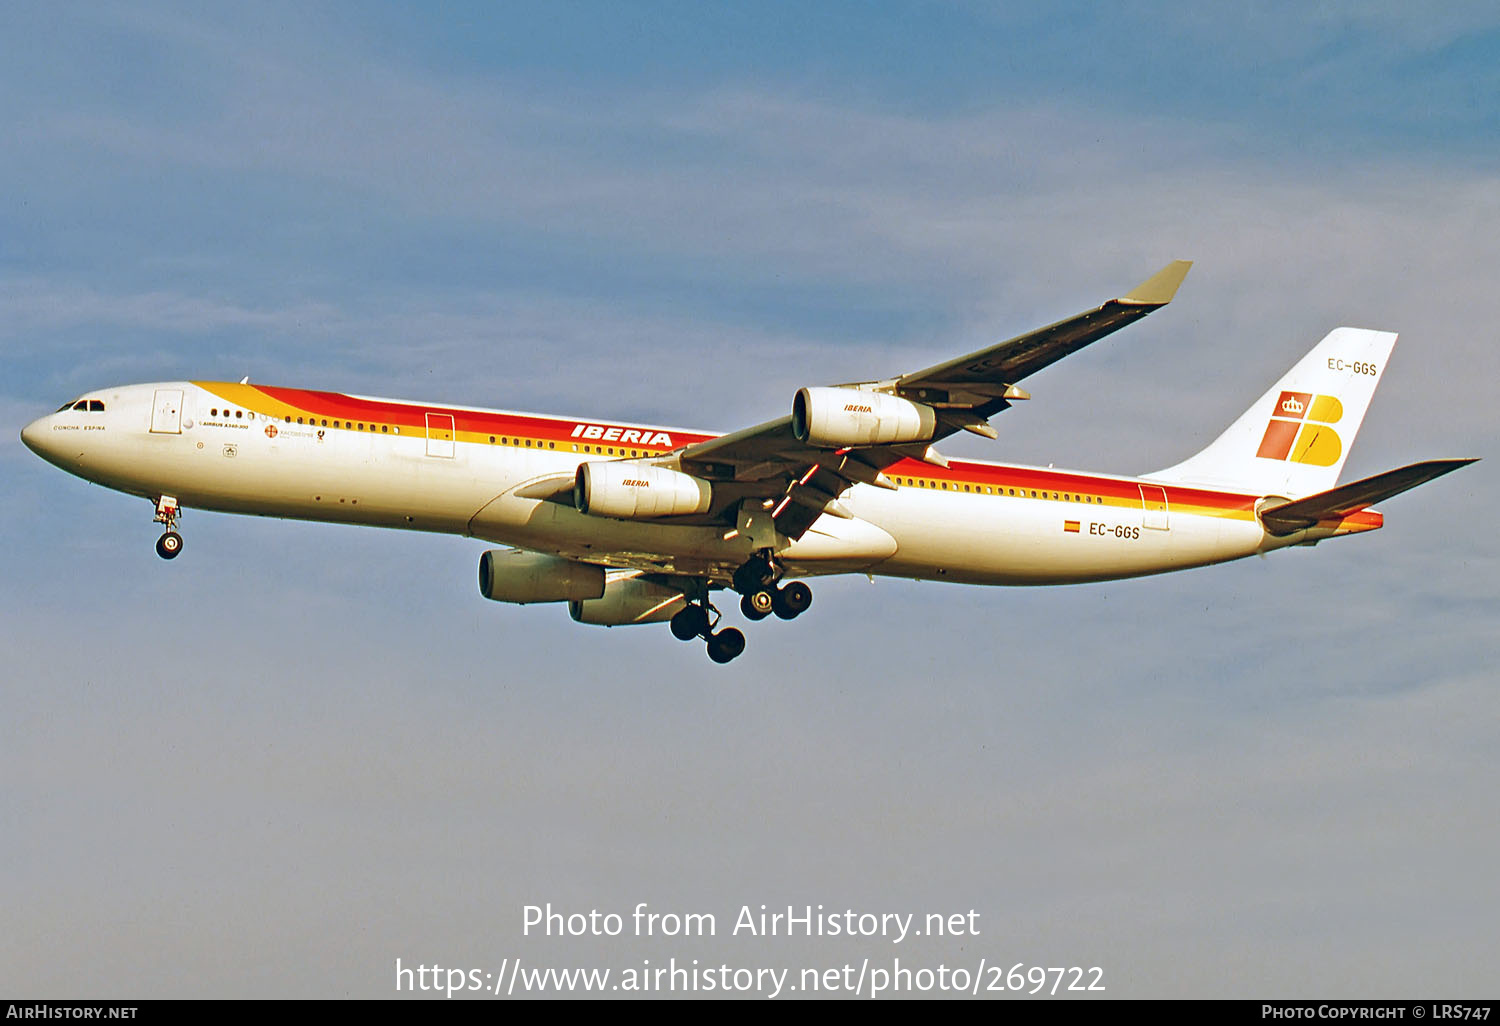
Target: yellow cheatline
250, 398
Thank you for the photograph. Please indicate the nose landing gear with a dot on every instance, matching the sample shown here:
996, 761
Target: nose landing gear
169, 545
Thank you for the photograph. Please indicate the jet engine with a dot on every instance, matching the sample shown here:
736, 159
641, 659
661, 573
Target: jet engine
837, 417
511, 575
635, 491
629, 600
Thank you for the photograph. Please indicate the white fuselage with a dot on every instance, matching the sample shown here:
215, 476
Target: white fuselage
242, 449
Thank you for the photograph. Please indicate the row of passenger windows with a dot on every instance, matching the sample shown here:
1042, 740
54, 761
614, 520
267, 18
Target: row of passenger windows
611, 450
348, 425
84, 406
238, 414
526, 442
1020, 493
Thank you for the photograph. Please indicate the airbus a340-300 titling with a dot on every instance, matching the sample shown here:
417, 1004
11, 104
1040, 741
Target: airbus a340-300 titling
633, 524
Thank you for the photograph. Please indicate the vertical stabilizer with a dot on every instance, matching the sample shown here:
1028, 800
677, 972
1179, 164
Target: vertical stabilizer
1294, 440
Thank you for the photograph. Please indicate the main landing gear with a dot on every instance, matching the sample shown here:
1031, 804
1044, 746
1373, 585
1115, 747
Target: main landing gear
760, 596
756, 582
787, 602
697, 620
167, 512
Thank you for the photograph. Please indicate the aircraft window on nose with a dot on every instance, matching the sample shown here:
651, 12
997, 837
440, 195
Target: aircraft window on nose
96, 406
80, 405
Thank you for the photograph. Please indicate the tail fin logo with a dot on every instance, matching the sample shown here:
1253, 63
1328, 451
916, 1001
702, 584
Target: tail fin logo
1302, 434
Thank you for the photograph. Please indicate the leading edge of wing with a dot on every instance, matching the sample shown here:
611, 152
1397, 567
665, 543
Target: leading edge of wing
989, 370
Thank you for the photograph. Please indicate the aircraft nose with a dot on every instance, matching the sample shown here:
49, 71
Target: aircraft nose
39, 437
31, 435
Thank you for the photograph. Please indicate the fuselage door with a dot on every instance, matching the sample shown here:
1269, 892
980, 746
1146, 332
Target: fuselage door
1154, 507
166, 412
440, 434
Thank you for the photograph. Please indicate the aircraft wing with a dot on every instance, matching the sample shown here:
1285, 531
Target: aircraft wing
964, 392
1336, 503
981, 378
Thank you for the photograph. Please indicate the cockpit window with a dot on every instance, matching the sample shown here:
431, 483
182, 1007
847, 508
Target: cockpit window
96, 405
65, 406
81, 405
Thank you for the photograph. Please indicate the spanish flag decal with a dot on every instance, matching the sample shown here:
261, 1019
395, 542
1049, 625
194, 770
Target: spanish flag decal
1071, 526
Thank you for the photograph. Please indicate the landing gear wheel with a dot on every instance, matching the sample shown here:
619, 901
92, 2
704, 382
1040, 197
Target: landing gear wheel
690, 622
169, 545
757, 605
726, 645
792, 601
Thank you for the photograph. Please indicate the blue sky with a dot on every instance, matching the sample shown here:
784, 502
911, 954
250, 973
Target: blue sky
300, 751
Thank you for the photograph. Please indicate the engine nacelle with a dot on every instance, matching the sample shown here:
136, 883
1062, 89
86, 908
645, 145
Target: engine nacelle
629, 600
510, 575
836, 417
633, 491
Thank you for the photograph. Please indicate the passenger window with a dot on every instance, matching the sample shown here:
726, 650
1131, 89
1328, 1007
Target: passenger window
385, 429
239, 414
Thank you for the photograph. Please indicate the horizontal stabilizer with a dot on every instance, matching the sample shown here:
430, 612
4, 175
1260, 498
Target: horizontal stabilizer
1339, 502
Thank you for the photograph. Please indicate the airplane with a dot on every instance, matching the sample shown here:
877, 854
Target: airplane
634, 523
